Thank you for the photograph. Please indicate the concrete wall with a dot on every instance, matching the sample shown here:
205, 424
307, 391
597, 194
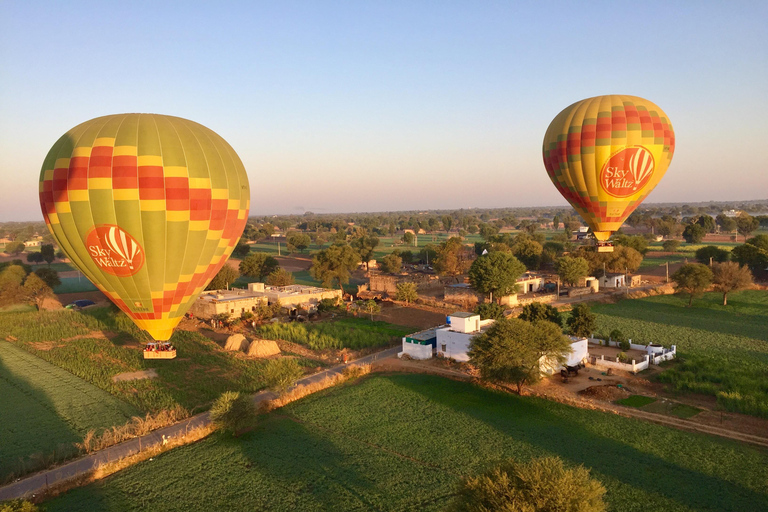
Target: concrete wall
453, 344
416, 350
465, 325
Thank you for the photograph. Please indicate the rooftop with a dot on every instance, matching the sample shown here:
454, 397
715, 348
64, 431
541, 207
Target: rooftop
462, 314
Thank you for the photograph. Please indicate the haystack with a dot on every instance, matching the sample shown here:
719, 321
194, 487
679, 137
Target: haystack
263, 348
236, 342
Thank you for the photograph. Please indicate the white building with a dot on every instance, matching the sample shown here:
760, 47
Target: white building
453, 340
612, 281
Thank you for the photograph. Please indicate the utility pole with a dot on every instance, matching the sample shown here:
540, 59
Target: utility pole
667, 271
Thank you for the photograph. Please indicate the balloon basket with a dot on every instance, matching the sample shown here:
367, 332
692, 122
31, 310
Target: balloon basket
159, 351
604, 246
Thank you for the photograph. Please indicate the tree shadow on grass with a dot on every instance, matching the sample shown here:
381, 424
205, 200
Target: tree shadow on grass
533, 421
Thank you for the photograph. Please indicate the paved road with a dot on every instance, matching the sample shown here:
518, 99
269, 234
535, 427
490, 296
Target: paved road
38, 482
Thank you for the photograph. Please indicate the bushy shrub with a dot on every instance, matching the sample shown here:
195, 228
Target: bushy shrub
280, 374
233, 412
543, 484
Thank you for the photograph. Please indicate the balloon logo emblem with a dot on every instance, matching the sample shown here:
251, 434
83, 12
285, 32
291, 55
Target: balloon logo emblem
114, 250
627, 171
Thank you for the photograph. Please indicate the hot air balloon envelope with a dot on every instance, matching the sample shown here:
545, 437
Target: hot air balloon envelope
148, 207
606, 154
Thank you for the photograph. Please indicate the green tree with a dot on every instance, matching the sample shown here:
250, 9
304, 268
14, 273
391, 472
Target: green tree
226, 276
511, 349
670, 245
11, 280
297, 242
496, 273
280, 277
391, 264
693, 278
407, 292
451, 258
541, 485
571, 269
538, 311
36, 291
258, 265
693, 233
556, 222
726, 223
233, 412
527, 250
14, 248
280, 374
752, 256
428, 253
582, 322
241, 250
334, 264
409, 238
637, 242
488, 310
729, 277
447, 222
365, 246
34, 257
370, 307
746, 224
706, 222
717, 254
49, 276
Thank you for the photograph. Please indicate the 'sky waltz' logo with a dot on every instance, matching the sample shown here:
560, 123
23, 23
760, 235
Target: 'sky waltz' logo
627, 171
114, 250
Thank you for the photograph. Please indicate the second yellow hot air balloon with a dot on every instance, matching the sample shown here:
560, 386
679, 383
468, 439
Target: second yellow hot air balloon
148, 207
606, 154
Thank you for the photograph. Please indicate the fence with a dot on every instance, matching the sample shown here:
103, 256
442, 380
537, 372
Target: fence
610, 362
655, 354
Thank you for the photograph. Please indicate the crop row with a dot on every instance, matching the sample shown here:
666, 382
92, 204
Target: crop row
331, 335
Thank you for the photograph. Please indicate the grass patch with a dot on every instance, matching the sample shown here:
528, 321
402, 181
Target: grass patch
722, 350
75, 285
46, 409
202, 371
353, 333
673, 409
636, 401
403, 442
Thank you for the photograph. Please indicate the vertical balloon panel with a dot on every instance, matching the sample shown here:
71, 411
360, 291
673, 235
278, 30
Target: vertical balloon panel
148, 207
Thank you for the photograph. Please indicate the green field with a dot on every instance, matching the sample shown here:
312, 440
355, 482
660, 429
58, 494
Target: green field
200, 373
75, 285
403, 442
722, 350
353, 333
45, 409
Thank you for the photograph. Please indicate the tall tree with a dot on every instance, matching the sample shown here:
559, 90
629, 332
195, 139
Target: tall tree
511, 349
49, 276
746, 224
730, 277
365, 245
726, 223
47, 253
226, 276
693, 278
297, 242
571, 269
527, 250
582, 322
391, 263
280, 277
241, 250
713, 252
334, 264
407, 292
496, 273
447, 223
538, 311
14, 248
36, 291
693, 233
258, 265
451, 258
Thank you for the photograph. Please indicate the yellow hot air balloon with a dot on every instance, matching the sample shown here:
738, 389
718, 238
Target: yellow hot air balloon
605, 155
148, 207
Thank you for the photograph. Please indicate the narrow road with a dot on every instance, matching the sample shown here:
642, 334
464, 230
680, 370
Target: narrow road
38, 482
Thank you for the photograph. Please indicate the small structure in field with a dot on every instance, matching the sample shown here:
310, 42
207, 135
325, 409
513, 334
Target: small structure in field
236, 342
263, 348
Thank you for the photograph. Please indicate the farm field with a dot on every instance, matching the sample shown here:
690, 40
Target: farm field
403, 442
45, 409
723, 350
353, 333
77, 342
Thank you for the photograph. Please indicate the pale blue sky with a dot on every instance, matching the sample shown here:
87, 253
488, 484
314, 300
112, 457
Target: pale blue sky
374, 106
